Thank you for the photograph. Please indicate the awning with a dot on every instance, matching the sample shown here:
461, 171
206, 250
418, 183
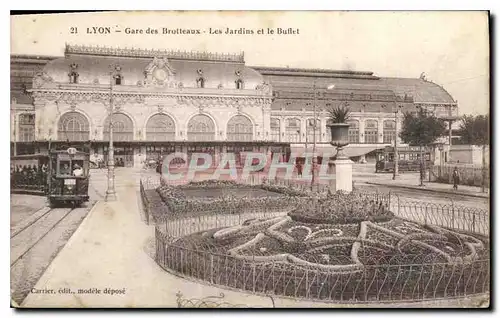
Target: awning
350, 150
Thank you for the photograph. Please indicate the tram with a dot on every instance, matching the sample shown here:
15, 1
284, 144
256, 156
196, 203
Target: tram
409, 159
28, 174
68, 177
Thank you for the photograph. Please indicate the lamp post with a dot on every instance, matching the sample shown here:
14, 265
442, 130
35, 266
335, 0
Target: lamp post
110, 192
440, 148
396, 153
395, 171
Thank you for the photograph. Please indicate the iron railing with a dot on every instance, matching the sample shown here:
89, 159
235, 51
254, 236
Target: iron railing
415, 280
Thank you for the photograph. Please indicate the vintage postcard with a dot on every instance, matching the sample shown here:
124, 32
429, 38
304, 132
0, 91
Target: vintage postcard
264, 159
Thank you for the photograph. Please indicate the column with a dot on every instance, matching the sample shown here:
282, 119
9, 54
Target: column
282, 129
40, 121
380, 136
361, 130
303, 131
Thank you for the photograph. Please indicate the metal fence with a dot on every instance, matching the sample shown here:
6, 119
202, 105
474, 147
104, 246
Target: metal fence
377, 282
412, 281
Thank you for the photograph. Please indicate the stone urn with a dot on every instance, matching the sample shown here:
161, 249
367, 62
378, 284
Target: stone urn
340, 137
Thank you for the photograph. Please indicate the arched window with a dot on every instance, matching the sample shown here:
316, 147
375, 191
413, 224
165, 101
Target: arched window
160, 127
292, 130
239, 83
239, 128
371, 131
201, 128
123, 128
389, 131
73, 126
118, 79
313, 130
200, 82
73, 77
275, 129
26, 128
353, 131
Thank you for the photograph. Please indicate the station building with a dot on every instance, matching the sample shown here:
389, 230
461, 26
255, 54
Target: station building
165, 101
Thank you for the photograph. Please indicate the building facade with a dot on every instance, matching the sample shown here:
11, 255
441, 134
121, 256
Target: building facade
164, 101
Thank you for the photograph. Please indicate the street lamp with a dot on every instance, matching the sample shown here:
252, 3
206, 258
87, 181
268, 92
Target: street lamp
110, 192
440, 148
396, 153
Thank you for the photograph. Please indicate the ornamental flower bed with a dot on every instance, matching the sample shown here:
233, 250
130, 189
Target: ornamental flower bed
343, 208
345, 247
233, 197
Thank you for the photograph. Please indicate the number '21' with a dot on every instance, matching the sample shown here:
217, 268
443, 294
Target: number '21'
73, 30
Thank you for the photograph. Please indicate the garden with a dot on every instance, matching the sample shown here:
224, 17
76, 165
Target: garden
342, 247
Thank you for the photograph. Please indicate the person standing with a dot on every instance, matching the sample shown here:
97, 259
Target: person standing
456, 178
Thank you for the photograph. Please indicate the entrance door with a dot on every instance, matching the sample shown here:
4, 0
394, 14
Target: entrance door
124, 156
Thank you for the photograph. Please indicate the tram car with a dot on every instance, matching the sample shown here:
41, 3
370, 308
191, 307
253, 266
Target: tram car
28, 174
68, 179
409, 159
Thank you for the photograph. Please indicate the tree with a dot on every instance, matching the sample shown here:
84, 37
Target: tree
421, 129
474, 130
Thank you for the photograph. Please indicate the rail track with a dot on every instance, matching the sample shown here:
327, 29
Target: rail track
36, 241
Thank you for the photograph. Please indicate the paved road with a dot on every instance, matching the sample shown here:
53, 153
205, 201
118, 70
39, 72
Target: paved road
429, 196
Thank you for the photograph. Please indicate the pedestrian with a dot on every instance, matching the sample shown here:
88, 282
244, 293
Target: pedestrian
456, 178
299, 169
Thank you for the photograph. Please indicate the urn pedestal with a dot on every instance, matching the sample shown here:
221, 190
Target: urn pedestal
341, 166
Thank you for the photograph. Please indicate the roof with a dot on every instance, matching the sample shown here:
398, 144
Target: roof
94, 69
303, 80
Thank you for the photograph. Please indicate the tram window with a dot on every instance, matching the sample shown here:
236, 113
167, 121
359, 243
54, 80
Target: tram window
402, 156
428, 156
76, 163
391, 157
64, 167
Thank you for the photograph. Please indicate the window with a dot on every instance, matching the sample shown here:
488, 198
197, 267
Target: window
239, 83
313, 130
73, 77
371, 132
73, 74
123, 128
160, 127
118, 79
26, 128
275, 129
201, 128
239, 128
292, 130
353, 131
200, 82
389, 131
73, 126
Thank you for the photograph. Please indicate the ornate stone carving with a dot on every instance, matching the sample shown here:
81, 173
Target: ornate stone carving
160, 108
220, 86
264, 88
95, 81
41, 78
160, 73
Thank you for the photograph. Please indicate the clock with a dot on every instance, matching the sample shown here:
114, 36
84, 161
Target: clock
160, 74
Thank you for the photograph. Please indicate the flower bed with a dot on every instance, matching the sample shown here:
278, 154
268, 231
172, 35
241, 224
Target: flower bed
371, 255
233, 197
343, 208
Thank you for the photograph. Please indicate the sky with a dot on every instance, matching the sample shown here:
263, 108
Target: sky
450, 47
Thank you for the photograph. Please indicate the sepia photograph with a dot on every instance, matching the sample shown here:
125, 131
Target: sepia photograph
250, 159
